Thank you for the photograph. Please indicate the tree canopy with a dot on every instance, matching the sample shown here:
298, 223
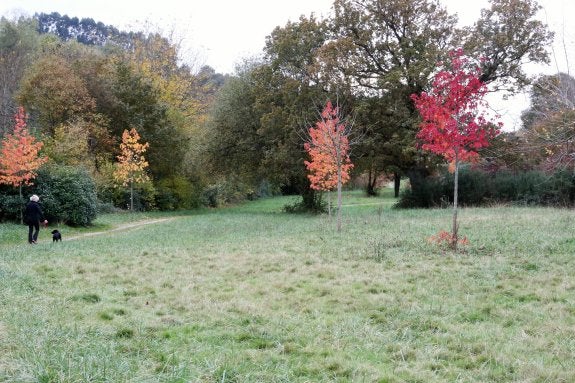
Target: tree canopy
84, 83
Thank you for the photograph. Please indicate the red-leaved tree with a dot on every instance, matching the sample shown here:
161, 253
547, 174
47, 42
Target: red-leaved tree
19, 157
453, 119
328, 148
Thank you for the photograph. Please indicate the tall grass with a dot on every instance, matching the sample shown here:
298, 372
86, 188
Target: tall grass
250, 294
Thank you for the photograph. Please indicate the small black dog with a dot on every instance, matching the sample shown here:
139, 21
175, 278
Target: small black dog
56, 236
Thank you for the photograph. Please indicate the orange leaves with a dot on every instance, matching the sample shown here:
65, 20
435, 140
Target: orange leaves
19, 159
131, 162
329, 151
445, 239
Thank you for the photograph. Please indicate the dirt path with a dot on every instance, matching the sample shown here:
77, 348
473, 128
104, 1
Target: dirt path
122, 227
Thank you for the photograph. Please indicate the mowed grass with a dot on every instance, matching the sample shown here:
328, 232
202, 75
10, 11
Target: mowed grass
250, 294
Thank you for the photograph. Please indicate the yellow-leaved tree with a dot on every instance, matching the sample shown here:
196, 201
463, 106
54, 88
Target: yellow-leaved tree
131, 166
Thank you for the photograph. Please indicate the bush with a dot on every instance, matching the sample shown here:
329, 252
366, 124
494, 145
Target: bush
226, 192
10, 205
310, 202
68, 195
175, 193
478, 188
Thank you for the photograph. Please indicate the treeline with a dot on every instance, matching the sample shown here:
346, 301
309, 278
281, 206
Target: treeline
82, 84
215, 139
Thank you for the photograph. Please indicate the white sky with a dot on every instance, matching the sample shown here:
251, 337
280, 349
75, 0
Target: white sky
220, 33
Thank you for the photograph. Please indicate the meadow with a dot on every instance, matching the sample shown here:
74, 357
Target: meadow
251, 294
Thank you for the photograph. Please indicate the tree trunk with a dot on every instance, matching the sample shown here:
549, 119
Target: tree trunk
131, 196
21, 203
396, 183
339, 182
329, 203
454, 237
371, 182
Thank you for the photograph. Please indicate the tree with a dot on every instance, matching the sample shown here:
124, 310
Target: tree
387, 50
507, 35
329, 151
54, 93
137, 105
18, 45
391, 47
454, 125
132, 164
550, 94
19, 158
258, 116
233, 130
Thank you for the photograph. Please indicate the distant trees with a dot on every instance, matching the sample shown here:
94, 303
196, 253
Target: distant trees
258, 116
84, 83
388, 50
19, 45
548, 133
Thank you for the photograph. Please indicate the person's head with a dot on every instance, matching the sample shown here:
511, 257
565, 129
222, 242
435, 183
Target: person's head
34, 198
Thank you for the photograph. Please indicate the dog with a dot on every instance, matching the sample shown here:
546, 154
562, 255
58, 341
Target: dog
56, 236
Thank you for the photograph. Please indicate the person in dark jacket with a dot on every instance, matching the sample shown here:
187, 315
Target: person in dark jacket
32, 217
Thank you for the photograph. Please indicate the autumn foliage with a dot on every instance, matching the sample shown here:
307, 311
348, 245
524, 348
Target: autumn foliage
131, 167
453, 121
19, 158
328, 149
453, 124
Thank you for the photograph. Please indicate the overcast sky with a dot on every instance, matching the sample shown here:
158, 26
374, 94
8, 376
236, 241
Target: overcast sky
220, 33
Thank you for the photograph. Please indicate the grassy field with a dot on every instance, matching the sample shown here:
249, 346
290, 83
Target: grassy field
249, 294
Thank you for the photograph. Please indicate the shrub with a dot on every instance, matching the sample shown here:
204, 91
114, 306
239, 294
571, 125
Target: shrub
424, 192
10, 205
175, 193
477, 188
310, 202
68, 194
226, 192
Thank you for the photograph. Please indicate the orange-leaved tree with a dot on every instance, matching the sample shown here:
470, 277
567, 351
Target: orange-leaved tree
328, 148
19, 157
131, 167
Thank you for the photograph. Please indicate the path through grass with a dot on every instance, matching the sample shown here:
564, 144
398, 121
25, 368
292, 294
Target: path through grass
249, 294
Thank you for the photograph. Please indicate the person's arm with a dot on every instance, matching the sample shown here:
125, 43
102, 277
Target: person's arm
40, 214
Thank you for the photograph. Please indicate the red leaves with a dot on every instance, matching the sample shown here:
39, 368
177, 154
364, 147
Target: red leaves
453, 124
445, 239
19, 157
329, 151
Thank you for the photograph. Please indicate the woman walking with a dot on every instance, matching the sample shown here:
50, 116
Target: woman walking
32, 217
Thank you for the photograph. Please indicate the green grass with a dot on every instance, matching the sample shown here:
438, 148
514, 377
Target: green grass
249, 294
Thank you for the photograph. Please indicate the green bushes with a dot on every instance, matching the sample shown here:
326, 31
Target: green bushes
10, 204
175, 193
478, 188
227, 191
68, 195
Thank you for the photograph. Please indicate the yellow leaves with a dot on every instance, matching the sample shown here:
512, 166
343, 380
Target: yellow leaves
131, 161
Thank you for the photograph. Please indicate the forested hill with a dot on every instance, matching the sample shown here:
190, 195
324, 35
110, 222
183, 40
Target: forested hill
85, 31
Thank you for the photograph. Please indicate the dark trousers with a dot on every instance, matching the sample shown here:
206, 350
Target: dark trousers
33, 230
